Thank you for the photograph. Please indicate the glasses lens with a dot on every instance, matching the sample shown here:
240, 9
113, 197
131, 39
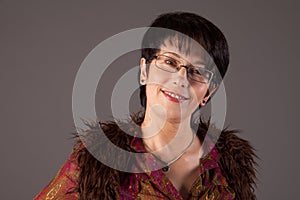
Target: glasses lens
200, 74
170, 64
167, 63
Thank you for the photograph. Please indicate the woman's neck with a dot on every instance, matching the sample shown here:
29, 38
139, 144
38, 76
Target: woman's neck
166, 138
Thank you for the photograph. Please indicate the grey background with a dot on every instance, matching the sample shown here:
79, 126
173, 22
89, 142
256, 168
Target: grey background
44, 42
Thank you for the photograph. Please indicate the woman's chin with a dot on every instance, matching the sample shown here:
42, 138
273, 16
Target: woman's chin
176, 117
169, 112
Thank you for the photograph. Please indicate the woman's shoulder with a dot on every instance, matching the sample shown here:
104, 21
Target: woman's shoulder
64, 184
237, 159
238, 163
105, 133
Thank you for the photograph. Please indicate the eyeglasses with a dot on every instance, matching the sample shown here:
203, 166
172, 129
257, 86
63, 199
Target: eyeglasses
172, 65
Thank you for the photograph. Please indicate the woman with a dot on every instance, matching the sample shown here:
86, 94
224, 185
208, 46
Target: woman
184, 58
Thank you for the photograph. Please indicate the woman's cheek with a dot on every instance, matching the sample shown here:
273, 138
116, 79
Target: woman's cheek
198, 93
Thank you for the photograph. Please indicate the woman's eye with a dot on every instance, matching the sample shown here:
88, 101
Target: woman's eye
195, 71
200, 72
170, 62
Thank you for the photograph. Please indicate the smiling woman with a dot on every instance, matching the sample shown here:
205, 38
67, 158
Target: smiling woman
177, 77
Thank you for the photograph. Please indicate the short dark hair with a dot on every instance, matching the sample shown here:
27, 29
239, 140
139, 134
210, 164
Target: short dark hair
194, 26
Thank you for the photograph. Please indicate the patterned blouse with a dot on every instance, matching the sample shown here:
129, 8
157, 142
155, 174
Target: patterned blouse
210, 184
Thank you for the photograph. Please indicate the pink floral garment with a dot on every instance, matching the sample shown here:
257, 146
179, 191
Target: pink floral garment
211, 184
63, 183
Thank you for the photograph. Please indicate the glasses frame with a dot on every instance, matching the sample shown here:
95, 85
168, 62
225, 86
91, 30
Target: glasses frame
179, 60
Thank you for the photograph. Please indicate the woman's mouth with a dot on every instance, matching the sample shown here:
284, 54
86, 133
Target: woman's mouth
174, 96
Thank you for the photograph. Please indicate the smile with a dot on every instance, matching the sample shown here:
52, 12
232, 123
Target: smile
173, 96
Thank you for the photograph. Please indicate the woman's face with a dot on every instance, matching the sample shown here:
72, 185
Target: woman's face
173, 95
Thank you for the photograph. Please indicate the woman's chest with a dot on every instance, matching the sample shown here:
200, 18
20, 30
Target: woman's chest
184, 172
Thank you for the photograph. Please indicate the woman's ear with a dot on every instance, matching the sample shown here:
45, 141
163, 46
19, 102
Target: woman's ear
212, 89
143, 74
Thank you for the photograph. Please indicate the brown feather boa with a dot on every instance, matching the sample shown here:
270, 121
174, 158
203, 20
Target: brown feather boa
97, 181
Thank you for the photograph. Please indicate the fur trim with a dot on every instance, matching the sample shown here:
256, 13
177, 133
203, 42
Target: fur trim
238, 164
237, 160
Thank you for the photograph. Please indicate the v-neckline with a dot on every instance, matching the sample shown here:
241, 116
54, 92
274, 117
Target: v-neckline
207, 162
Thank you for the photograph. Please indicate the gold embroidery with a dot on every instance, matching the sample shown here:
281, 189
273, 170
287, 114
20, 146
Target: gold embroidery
210, 196
52, 193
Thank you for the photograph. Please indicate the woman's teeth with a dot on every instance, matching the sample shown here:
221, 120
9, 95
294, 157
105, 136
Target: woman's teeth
174, 95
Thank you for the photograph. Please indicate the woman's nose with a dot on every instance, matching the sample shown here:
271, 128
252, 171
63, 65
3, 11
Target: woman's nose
183, 71
181, 77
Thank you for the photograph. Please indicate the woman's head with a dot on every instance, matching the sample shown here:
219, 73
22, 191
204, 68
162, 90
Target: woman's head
180, 31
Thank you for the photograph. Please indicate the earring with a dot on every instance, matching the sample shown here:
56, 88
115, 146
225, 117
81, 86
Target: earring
142, 81
203, 101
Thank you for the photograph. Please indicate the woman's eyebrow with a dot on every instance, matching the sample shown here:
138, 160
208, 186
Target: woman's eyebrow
197, 63
174, 54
